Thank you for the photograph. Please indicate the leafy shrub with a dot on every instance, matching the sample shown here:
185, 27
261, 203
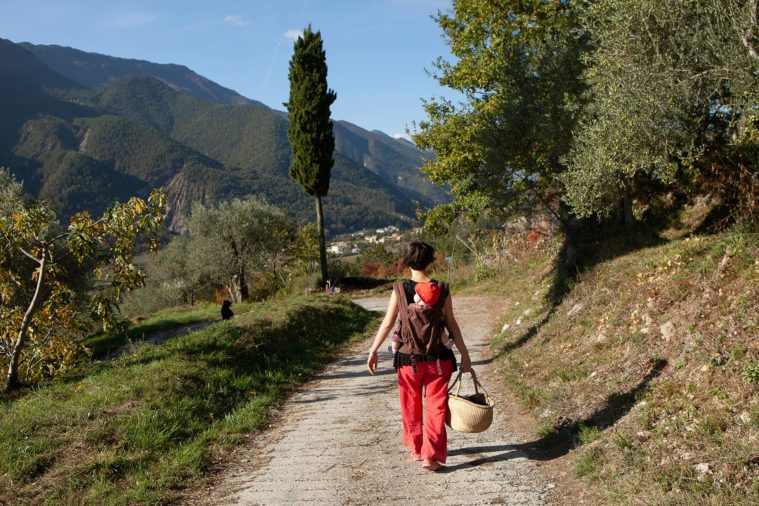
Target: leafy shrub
751, 372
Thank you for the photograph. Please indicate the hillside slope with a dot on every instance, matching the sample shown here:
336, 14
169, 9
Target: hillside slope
93, 70
82, 148
647, 372
395, 161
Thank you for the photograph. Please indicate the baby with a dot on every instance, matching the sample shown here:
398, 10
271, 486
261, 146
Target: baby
426, 295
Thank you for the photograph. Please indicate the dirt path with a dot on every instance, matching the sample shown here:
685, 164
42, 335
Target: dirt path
338, 441
157, 338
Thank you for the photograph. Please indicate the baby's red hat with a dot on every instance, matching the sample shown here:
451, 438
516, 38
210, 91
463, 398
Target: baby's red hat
428, 292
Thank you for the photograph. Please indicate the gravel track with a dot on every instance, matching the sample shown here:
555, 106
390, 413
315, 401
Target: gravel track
338, 441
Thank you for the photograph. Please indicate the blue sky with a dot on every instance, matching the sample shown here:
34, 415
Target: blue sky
377, 50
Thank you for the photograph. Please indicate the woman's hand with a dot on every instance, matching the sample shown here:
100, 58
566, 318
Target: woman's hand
371, 362
466, 363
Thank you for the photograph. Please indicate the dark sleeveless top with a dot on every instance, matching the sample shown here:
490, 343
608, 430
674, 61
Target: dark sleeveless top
401, 359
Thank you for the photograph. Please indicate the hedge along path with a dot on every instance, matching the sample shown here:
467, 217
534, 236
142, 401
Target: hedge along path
338, 440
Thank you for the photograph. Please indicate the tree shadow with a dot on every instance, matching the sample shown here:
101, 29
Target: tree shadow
565, 434
585, 245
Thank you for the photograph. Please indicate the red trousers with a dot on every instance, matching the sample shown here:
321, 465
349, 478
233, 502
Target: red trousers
425, 435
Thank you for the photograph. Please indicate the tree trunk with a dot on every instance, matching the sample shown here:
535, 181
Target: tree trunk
11, 378
235, 289
244, 295
322, 242
627, 203
239, 287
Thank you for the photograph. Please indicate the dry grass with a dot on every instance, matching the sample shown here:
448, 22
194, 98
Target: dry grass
652, 356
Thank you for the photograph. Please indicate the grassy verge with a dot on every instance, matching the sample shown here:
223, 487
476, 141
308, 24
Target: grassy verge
103, 343
140, 427
647, 371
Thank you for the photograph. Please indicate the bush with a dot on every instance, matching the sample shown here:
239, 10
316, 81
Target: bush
751, 372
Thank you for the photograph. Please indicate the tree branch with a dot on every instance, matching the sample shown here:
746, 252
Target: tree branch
30, 255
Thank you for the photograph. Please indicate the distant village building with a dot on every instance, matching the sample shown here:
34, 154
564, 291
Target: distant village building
339, 248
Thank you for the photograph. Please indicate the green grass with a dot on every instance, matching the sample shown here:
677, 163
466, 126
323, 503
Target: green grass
138, 428
589, 463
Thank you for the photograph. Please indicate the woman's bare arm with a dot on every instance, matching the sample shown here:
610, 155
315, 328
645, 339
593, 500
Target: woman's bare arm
382, 332
458, 339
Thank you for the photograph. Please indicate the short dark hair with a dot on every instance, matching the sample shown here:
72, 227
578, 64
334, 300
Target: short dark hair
419, 255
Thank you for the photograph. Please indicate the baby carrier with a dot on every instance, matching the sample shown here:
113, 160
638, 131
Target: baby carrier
422, 326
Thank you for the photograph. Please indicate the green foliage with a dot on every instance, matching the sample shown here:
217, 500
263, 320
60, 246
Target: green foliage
519, 66
230, 246
670, 88
310, 130
376, 253
305, 248
49, 274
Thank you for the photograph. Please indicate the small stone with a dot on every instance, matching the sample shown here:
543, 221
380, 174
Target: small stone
642, 436
527, 312
745, 417
667, 330
505, 328
575, 309
641, 404
518, 322
593, 374
703, 469
601, 337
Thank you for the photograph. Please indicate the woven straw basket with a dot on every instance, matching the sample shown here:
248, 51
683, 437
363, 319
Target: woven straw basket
470, 413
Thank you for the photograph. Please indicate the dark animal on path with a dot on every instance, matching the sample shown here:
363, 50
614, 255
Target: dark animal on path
226, 312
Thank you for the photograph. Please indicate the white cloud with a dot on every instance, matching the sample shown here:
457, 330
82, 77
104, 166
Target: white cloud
131, 20
293, 34
235, 20
402, 135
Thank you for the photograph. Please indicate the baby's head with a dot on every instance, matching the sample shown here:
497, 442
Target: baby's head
418, 300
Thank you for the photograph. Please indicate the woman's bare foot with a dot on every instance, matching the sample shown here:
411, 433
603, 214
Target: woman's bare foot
416, 456
431, 465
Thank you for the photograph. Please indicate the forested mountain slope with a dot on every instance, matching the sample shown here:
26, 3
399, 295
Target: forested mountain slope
83, 147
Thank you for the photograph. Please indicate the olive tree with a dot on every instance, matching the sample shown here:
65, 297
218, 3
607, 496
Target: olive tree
229, 243
673, 89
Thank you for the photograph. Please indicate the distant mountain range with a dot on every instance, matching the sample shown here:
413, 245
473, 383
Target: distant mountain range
83, 129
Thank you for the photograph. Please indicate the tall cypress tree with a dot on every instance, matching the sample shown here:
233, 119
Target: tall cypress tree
310, 132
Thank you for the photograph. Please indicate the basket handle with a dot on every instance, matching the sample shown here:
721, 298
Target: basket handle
477, 385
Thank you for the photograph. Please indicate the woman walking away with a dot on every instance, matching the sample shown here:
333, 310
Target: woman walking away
423, 362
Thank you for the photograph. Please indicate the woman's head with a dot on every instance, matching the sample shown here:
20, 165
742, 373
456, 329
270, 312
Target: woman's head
419, 255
